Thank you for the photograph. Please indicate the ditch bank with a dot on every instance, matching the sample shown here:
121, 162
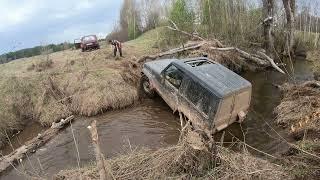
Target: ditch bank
152, 124
299, 114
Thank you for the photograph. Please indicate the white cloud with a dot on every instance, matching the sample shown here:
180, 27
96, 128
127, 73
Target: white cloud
29, 22
17, 12
77, 31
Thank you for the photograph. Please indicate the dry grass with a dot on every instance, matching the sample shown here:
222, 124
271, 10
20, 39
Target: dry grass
314, 56
186, 160
98, 93
16, 104
40, 65
299, 110
47, 88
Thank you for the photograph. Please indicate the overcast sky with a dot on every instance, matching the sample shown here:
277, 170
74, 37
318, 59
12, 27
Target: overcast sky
27, 23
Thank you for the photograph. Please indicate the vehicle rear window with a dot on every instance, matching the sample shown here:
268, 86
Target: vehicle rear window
200, 97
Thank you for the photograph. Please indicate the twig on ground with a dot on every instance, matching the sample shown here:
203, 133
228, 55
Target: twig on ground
76, 145
269, 155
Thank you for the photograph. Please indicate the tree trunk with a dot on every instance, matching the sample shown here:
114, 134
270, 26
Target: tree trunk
289, 6
268, 11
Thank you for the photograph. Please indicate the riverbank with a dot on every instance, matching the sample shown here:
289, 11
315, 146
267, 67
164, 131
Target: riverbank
92, 83
50, 87
53, 86
314, 57
299, 114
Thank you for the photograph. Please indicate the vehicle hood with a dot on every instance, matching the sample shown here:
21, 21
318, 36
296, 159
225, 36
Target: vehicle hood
87, 42
156, 67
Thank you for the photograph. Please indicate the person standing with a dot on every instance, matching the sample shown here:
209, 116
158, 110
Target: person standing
117, 46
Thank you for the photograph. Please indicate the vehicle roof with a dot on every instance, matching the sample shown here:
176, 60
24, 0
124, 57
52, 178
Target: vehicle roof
215, 77
89, 36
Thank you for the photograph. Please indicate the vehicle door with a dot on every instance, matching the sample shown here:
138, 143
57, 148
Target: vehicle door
199, 101
171, 81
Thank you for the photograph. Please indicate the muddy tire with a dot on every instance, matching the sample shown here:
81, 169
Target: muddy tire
145, 87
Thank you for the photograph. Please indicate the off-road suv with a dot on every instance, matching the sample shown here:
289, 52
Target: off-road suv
89, 42
207, 93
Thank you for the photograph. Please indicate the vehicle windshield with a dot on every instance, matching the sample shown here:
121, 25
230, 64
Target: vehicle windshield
89, 38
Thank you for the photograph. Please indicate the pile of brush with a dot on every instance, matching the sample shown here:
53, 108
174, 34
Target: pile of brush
299, 110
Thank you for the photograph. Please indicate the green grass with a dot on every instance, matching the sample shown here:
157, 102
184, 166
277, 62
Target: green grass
147, 42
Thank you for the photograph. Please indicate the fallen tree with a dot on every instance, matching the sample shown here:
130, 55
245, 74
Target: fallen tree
10, 160
259, 59
190, 46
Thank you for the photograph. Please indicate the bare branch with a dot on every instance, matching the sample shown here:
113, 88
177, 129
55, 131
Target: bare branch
104, 172
244, 55
175, 28
273, 64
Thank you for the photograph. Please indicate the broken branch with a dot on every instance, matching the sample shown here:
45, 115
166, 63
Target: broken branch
243, 54
183, 32
171, 52
273, 64
104, 172
30, 146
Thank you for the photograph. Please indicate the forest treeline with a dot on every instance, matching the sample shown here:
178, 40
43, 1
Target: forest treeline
278, 26
274, 25
35, 51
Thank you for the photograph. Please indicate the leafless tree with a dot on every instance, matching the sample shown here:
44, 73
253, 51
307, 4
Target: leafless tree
150, 13
268, 12
290, 9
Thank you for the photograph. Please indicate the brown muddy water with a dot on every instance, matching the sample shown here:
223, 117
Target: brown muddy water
151, 124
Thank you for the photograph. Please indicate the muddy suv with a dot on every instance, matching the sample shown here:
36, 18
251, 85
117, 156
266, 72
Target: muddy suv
89, 42
207, 93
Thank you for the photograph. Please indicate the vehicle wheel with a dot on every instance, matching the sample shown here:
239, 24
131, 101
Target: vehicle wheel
145, 87
82, 49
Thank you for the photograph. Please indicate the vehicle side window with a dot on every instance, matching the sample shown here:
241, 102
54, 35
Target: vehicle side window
200, 97
174, 76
